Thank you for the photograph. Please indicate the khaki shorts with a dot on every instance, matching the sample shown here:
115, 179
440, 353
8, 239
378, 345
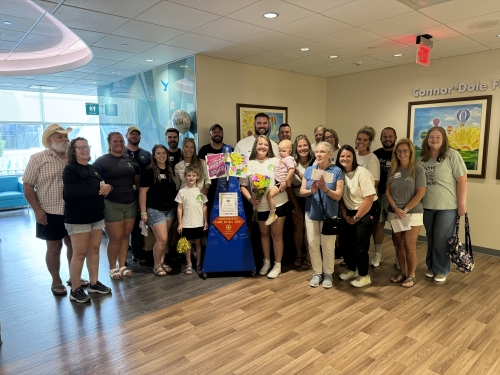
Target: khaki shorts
116, 212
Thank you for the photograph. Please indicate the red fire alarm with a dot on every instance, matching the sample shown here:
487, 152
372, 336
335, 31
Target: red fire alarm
424, 47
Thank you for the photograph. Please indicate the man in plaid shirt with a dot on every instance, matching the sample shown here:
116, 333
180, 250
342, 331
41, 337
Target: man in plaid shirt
43, 189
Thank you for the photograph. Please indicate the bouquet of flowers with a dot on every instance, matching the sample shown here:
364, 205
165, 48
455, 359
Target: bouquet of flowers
260, 185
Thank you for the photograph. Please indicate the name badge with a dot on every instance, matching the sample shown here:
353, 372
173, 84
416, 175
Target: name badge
162, 176
397, 175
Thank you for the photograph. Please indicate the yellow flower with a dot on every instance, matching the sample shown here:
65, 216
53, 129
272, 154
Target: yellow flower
465, 138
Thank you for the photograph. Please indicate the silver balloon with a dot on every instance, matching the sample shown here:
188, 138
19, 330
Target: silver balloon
181, 121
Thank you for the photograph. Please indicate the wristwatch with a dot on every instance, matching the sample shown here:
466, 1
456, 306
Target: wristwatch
357, 218
394, 207
405, 210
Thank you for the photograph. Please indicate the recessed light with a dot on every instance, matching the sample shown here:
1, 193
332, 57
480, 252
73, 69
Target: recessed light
333, 56
304, 49
116, 73
398, 55
92, 82
149, 60
42, 87
498, 35
124, 45
7, 23
270, 15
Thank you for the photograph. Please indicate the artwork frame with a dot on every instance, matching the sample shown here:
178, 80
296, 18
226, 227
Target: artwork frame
467, 122
245, 118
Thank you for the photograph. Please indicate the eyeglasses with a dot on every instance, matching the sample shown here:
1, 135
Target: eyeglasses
83, 148
329, 137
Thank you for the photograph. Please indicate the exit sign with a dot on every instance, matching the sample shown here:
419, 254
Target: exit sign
423, 55
92, 109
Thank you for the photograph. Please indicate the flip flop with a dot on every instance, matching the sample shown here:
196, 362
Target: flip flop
297, 262
188, 270
56, 290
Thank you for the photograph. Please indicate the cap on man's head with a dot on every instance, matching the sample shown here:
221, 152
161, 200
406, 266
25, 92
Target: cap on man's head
216, 126
52, 129
133, 128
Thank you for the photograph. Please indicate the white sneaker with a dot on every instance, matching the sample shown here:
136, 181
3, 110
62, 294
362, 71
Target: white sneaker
348, 275
376, 260
429, 274
275, 272
364, 281
265, 267
440, 278
396, 263
316, 279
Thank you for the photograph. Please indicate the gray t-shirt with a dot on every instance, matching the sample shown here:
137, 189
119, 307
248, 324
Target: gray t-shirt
441, 193
403, 190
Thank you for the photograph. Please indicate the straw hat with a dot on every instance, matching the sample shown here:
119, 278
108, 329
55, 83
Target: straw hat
52, 129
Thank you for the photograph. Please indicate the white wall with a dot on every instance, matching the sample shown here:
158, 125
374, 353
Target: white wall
380, 98
220, 84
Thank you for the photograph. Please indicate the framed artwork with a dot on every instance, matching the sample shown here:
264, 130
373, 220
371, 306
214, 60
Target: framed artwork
245, 116
466, 122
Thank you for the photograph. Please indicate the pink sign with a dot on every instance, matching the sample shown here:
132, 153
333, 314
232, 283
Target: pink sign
215, 165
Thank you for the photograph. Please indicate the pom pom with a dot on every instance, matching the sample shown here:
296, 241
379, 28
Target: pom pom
183, 246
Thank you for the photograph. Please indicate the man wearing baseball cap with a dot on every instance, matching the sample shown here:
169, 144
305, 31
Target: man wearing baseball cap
43, 189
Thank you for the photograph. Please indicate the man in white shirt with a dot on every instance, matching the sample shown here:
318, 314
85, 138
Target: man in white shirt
261, 126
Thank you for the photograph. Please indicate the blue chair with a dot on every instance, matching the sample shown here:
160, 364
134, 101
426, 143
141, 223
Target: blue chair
11, 192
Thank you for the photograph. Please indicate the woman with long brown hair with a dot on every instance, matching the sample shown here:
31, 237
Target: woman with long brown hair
189, 157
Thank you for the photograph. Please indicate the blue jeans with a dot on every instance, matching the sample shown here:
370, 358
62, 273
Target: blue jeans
439, 226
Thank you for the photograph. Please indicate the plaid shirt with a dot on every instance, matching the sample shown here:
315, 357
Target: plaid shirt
44, 171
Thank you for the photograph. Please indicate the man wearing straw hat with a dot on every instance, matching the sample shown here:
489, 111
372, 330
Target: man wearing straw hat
43, 189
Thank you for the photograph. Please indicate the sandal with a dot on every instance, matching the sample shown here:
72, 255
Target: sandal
159, 271
199, 270
297, 262
115, 274
409, 282
306, 265
166, 267
125, 272
83, 283
58, 290
397, 278
188, 270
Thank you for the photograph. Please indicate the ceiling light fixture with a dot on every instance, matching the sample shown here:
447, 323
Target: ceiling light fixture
42, 87
6, 84
92, 82
149, 60
398, 55
304, 49
116, 73
498, 35
333, 56
7, 23
124, 45
270, 15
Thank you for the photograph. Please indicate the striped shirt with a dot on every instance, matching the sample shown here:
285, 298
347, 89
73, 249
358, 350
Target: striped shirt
44, 171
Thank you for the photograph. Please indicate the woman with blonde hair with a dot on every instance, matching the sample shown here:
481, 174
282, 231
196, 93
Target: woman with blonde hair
364, 156
444, 199
189, 157
406, 185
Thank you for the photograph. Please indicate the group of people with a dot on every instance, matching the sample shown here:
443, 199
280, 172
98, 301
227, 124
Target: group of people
312, 184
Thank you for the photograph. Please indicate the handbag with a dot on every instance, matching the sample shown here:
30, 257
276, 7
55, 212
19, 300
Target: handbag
331, 226
461, 255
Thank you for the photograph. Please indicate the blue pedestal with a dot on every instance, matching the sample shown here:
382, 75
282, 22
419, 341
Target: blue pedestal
236, 254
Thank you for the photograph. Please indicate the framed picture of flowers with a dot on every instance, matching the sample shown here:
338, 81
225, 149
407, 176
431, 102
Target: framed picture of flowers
466, 122
245, 116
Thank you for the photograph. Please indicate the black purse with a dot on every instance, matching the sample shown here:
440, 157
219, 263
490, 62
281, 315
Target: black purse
331, 226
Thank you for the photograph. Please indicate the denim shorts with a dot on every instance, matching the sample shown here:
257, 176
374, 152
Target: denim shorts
156, 217
84, 228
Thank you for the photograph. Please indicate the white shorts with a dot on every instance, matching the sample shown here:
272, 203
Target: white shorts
416, 220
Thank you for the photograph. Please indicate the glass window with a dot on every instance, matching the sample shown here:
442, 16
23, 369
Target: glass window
68, 108
20, 106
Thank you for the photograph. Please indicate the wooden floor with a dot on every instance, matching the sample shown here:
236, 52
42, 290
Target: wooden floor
283, 326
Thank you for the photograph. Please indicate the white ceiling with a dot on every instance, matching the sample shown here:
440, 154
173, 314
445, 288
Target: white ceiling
124, 33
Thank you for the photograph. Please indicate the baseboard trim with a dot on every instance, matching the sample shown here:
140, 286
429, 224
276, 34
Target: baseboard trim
476, 249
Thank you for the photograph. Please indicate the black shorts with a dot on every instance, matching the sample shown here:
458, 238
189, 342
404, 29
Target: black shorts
193, 233
281, 211
54, 230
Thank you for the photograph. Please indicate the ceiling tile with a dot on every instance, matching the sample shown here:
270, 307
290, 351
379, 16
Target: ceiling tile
197, 42
297, 63
463, 51
43, 40
376, 46
313, 27
7, 46
234, 51
129, 67
220, 7
254, 13
342, 54
347, 38
438, 33
91, 82
409, 54
400, 24
36, 49
9, 8
487, 37
161, 54
177, 16
110, 54
102, 63
314, 48
319, 5
88, 68
19, 80
115, 42
270, 40
11, 35
102, 77
89, 37
266, 58
493, 45
147, 31
124, 8
461, 9
477, 24
47, 5
454, 43
88, 20
68, 73
47, 28
48, 79
365, 11
228, 29
17, 23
